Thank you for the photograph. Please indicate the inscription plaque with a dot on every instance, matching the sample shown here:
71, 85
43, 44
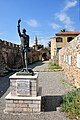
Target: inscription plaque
23, 88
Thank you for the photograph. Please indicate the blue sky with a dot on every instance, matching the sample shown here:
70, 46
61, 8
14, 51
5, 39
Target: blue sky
39, 17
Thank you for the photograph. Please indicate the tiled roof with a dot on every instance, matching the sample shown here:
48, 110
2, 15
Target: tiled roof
68, 33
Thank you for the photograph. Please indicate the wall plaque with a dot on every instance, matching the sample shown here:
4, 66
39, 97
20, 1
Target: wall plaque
23, 87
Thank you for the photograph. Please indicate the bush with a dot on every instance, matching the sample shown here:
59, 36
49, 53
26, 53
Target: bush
71, 104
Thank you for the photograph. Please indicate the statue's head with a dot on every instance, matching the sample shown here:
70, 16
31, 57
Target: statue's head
24, 30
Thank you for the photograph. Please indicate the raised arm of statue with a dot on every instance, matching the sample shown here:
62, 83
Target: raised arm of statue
19, 27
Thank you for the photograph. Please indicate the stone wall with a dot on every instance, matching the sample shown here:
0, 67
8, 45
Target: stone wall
69, 59
10, 56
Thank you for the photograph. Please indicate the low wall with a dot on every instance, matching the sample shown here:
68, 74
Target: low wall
69, 59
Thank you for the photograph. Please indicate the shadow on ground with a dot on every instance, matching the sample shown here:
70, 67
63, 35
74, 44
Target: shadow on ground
4, 84
50, 103
33, 65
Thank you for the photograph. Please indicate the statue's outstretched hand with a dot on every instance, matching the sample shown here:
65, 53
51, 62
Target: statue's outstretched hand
19, 21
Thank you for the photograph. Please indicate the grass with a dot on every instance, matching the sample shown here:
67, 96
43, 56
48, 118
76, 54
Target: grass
53, 66
71, 104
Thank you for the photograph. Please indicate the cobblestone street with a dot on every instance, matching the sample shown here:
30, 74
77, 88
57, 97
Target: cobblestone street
51, 88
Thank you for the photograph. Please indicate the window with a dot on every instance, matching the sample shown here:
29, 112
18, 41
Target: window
69, 39
66, 58
59, 39
69, 59
78, 60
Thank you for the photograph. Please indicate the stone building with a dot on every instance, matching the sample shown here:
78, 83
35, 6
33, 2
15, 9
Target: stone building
59, 41
69, 59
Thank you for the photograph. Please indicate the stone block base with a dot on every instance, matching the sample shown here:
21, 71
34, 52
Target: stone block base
17, 104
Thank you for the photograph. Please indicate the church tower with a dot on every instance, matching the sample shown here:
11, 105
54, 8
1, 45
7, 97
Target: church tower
36, 41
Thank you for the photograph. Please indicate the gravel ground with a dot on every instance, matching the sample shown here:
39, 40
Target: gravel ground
52, 89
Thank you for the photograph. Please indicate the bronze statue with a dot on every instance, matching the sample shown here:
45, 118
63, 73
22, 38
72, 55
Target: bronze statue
24, 44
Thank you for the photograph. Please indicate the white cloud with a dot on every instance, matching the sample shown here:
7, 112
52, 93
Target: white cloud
66, 20
70, 4
63, 17
32, 23
55, 26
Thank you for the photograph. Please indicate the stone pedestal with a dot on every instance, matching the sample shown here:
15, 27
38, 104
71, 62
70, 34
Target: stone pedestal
24, 94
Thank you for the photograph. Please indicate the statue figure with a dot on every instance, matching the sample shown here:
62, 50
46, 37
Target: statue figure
24, 45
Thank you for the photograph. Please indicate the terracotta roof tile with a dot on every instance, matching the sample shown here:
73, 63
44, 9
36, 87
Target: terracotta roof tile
68, 33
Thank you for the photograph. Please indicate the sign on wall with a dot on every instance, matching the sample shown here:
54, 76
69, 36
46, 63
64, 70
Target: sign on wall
78, 60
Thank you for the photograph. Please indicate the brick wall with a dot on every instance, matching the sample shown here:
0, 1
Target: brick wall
69, 59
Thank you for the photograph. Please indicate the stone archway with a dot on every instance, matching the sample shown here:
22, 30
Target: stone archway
44, 56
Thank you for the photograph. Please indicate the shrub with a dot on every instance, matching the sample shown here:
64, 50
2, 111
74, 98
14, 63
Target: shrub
71, 104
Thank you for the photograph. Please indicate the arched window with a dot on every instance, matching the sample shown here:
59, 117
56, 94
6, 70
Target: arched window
59, 39
69, 39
